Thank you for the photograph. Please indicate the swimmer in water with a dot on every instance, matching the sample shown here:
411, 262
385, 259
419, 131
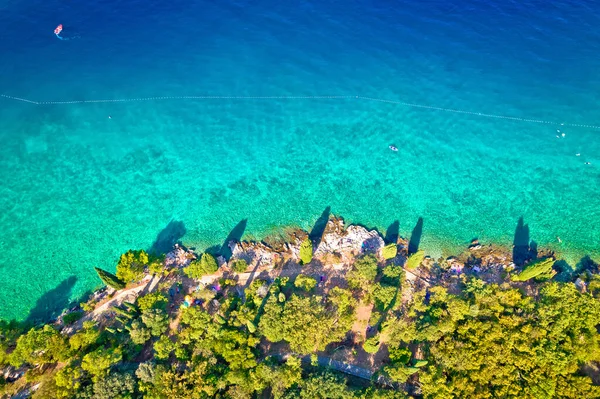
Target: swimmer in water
559, 240
588, 163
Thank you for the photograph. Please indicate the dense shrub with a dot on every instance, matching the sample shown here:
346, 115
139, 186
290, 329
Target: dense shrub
239, 265
72, 317
371, 345
305, 283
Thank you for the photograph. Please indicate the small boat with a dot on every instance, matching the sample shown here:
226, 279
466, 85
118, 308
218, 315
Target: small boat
393, 148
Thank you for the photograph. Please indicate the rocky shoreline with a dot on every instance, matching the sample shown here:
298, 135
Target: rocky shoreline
335, 250
338, 246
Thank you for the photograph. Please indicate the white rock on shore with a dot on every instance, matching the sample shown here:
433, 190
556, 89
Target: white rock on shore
179, 257
349, 241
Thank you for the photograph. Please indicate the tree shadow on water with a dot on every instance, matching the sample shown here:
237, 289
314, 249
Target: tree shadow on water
586, 264
564, 271
236, 236
393, 232
168, 237
415, 237
316, 234
51, 304
521, 243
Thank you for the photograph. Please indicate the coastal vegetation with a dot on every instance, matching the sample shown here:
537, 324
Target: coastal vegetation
378, 323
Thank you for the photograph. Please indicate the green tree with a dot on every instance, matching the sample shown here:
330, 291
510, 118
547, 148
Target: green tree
415, 260
68, 381
10, 331
110, 279
363, 273
279, 378
344, 302
399, 373
131, 266
156, 320
384, 295
306, 251
39, 346
271, 323
239, 265
163, 347
378, 393
305, 283
371, 345
115, 386
392, 275
541, 268
493, 341
308, 314
139, 333
99, 362
153, 300
324, 386
207, 264
72, 317
85, 337
390, 251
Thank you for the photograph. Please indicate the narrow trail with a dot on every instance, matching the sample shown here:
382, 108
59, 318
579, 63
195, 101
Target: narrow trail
128, 295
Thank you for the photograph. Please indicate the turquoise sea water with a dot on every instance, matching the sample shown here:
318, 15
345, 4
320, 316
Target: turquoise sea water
77, 188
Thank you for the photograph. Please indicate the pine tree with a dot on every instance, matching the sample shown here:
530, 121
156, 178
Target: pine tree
110, 279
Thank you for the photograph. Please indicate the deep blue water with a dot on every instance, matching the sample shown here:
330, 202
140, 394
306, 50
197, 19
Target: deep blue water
79, 188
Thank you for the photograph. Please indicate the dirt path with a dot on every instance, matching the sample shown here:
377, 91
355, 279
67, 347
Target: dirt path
363, 314
127, 295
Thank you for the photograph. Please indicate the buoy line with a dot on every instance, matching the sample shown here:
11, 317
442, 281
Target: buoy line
382, 100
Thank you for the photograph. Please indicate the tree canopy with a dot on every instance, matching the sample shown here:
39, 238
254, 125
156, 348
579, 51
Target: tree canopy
493, 341
207, 264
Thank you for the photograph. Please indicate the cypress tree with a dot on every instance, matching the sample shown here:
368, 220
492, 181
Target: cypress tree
541, 268
306, 251
415, 260
110, 279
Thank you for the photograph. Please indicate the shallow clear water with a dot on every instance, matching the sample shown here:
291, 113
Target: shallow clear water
79, 188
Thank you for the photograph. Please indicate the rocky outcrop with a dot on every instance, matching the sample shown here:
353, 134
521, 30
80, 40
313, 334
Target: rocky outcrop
257, 254
348, 242
338, 244
179, 257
